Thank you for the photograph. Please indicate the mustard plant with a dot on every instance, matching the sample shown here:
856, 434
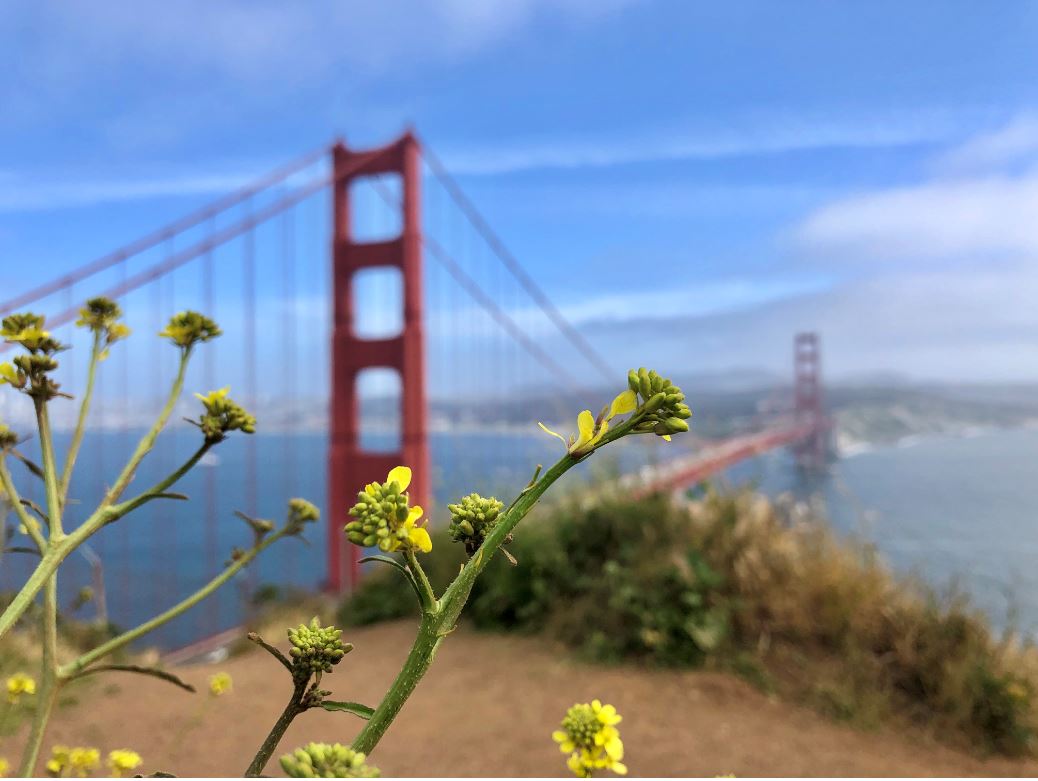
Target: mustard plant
55, 534
383, 517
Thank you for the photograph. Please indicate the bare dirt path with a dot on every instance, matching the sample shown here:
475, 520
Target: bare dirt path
487, 708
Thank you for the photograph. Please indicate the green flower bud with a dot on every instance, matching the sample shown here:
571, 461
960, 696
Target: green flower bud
323, 760
472, 519
676, 425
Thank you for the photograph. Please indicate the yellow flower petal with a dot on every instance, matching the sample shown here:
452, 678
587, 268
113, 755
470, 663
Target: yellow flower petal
619, 768
667, 437
413, 515
586, 427
420, 539
401, 475
622, 404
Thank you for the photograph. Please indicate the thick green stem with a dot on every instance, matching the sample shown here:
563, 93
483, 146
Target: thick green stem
294, 708
49, 680
129, 636
148, 440
84, 408
422, 652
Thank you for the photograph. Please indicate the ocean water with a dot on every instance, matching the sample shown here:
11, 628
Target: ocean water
956, 511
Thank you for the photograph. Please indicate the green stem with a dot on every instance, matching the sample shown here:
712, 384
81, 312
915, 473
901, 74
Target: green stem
148, 440
428, 596
117, 511
84, 408
422, 652
129, 636
59, 548
277, 732
31, 524
50, 683
50, 472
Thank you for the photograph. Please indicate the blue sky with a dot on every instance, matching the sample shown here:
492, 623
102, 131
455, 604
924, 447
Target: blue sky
692, 182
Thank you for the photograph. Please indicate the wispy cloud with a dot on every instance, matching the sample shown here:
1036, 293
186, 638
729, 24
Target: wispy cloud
763, 134
23, 194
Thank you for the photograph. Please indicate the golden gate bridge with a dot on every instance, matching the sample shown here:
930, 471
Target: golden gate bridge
372, 317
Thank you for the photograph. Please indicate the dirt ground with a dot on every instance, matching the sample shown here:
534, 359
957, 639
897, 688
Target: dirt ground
487, 708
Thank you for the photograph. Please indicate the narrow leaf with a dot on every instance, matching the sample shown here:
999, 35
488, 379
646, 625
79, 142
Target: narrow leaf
404, 570
29, 464
172, 495
21, 549
363, 711
133, 668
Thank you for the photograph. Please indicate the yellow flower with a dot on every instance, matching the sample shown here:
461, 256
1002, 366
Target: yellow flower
19, 684
589, 735
30, 338
9, 374
83, 760
212, 398
220, 683
590, 431
384, 517
5, 766
59, 760
122, 760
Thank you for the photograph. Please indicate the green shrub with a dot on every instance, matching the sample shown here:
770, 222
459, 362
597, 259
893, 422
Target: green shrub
755, 586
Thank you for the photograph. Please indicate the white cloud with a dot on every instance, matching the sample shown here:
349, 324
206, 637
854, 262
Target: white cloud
990, 217
979, 204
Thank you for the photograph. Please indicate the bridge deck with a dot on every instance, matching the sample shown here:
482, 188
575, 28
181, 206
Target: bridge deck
714, 457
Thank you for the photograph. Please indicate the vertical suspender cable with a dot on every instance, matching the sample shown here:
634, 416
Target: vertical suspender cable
211, 616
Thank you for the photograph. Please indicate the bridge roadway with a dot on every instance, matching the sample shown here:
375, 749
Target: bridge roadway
714, 457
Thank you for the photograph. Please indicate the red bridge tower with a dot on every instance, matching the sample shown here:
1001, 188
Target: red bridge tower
350, 466
808, 408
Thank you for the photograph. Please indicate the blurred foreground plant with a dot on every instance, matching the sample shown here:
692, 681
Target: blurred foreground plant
32, 374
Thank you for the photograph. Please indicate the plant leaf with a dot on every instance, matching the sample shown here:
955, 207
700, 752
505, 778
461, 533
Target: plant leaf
363, 711
134, 668
404, 570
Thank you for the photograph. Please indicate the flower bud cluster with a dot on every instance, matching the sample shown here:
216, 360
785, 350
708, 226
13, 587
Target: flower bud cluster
100, 315
662, 401
316, 649
323, 760
29, 372
185, 329
222, 414
472, 519
383, 516
300, 513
